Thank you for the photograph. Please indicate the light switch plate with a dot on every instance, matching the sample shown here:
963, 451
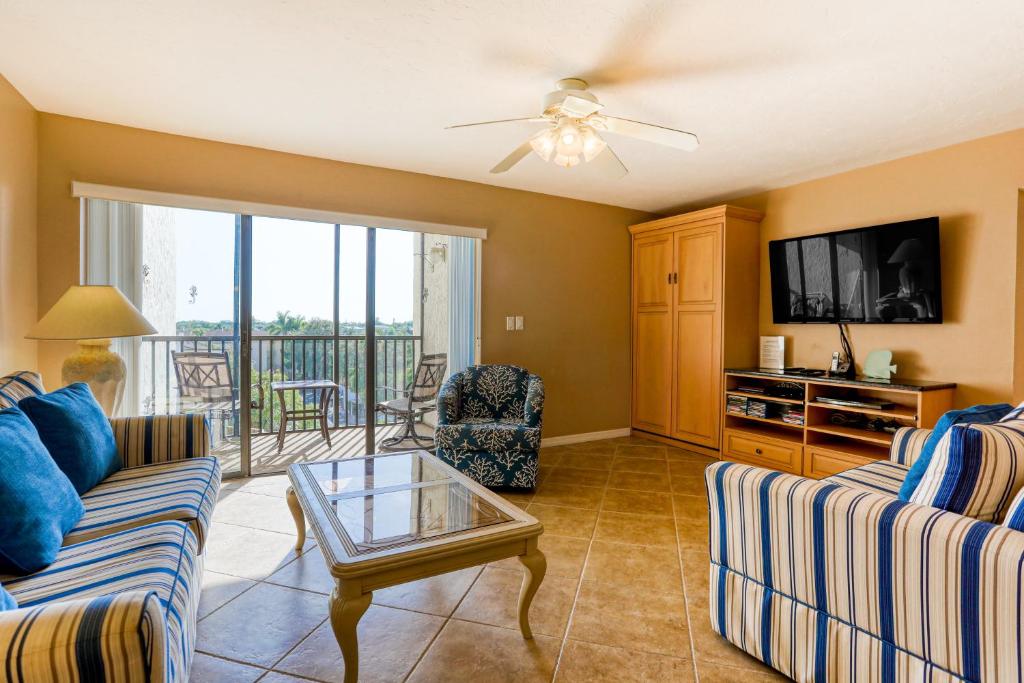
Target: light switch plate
510, 323
519, 322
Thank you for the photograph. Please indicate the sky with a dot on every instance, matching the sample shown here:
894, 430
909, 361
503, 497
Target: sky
293, 268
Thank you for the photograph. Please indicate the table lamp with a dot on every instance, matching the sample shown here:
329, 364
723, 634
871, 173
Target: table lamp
92, 315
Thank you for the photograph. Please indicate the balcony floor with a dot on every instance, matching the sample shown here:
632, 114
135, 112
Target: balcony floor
346, 442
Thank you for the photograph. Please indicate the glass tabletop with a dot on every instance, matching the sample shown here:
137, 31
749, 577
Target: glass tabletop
397, 500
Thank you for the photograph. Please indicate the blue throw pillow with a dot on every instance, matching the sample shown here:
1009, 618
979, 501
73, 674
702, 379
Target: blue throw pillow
982, 414
38, 504
7, 600
78, 435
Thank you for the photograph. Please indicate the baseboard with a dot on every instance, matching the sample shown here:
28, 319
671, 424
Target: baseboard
581, 438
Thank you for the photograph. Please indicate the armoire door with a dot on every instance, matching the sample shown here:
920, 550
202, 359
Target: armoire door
696, 316
652, 333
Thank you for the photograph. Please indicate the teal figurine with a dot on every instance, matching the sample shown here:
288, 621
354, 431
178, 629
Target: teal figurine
879, 364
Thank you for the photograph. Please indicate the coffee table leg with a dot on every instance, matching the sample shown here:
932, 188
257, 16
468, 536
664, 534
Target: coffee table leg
536, 565
300, 519
345, 615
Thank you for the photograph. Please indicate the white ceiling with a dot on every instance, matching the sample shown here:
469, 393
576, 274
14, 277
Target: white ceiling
778, 91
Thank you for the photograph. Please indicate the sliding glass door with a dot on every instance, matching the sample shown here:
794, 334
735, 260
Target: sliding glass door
288, 335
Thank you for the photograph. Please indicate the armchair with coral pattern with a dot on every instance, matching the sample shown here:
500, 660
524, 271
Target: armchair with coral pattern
489, 424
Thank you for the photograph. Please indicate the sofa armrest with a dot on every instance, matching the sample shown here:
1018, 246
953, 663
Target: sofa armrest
160, 438
930, 583
121, 636
449, 400
907, 443
534, 410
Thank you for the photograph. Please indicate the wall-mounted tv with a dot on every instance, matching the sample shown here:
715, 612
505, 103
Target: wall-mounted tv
881, 274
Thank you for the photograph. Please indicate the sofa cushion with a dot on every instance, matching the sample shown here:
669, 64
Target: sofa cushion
19, 385
7, 600
881, 476
976, 470
76, 433
184, 490
981, 414
38, 504
161, 557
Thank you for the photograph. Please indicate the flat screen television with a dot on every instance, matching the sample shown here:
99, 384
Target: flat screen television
881, 274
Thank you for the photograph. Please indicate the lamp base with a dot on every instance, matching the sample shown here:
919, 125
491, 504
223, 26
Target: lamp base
99, 367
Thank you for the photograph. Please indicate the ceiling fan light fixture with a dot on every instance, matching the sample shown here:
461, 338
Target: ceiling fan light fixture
566, 161
570, 138
543, 143
592, 143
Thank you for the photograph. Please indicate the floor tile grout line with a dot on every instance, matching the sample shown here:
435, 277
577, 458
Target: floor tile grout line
579, 583
447, 620
682, 582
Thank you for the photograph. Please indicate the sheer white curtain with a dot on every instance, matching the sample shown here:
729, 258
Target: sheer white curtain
112, 255
461, 303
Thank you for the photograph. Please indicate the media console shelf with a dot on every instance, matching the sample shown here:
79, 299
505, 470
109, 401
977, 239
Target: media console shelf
774, 419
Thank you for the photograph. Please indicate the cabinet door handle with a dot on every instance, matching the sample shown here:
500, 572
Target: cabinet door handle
675, 278
758, 451
670, 278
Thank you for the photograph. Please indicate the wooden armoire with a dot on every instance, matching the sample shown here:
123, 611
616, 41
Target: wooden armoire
694, 313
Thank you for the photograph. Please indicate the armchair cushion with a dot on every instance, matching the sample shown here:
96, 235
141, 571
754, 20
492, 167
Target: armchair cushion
184, 490
976, 470
86, 582
77, 434
981, 414
881, 476
485, 434
497, 392
38, 504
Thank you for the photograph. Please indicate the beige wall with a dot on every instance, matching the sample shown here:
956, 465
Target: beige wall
18, 126
974, 189
563, 264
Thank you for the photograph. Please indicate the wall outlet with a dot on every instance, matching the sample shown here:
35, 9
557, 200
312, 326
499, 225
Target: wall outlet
519, 322
510, 323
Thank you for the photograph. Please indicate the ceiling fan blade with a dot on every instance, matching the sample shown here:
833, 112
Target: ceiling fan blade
579, 108
659, 135
532, 119
609, 163
517, 155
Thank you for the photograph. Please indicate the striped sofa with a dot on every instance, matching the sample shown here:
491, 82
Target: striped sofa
120, 601
839, 580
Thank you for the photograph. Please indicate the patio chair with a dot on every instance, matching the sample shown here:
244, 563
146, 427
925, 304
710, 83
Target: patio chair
417, 400
205, 385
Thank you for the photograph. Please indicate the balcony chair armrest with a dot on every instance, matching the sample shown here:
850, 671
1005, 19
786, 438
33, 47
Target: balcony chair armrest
895, 570
533, 410
907, 443
72, 640
150, 439
259, 402
449, 400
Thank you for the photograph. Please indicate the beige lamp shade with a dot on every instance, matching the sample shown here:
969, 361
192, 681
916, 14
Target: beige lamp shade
92, 312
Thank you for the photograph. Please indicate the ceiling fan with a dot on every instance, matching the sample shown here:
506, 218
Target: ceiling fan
573, 132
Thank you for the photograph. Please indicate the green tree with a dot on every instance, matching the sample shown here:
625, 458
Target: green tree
285, 324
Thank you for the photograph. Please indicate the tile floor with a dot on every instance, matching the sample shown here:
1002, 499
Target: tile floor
624, 599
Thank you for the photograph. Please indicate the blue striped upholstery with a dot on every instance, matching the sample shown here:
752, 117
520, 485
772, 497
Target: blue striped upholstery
184, 490
156, 573
827, 582
907, 444
1015, 513
19, 385
881, 476
160, 438
976, 470
7, 600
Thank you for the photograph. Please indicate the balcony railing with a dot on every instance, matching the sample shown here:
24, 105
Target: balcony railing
287, 357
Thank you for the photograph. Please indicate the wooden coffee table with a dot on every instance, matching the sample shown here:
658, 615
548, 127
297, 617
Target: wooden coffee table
387, 519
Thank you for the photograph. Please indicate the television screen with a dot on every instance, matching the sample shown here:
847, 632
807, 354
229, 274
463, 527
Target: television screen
882, 274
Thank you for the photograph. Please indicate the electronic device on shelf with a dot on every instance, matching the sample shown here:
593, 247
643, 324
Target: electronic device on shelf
790, 390
751, 390
804, 372
855, 403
